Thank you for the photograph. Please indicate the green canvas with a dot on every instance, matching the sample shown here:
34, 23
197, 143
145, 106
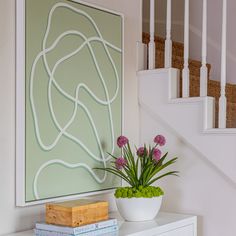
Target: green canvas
73, 97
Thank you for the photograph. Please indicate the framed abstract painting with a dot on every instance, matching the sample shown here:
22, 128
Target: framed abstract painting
69, 99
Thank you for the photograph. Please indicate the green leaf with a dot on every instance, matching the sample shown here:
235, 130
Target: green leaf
129, 155
163, 166
144, 173
148, 174
136, 167
126, 156
111, 155
161, 176
131, 176
117, 173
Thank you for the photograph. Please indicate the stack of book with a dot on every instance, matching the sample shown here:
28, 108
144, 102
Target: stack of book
107, 227
80, 217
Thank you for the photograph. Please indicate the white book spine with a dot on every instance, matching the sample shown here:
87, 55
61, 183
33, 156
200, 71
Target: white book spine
97, 232
102, 231
104, 224
76, 230
40, 232
65, 230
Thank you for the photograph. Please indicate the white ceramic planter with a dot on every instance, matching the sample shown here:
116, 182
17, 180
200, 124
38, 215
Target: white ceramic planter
139, 209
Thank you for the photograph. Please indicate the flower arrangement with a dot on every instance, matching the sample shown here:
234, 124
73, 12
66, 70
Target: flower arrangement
140, 172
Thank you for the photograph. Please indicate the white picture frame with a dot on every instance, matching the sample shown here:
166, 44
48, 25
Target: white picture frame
20, 107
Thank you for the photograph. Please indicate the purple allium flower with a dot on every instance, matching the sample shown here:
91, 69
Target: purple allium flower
160, 139
120, 163
122, 141
141, 151
156, 154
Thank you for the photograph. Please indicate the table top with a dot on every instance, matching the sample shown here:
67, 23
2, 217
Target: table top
164, 221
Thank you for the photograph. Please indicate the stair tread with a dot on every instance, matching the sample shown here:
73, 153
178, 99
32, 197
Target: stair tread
220, 131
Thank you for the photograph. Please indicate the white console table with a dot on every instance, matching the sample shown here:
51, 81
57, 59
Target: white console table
166, 224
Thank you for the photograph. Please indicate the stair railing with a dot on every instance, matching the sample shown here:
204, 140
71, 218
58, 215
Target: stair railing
223, 101
168, 41
204, 70
185, 71
151, 45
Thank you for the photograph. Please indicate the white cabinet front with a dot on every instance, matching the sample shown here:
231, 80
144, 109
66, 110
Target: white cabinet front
183, 231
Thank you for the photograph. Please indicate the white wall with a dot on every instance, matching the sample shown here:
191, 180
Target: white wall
200, 190
16, 219
160, 17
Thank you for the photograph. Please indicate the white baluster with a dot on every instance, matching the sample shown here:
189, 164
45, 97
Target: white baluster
185, 72
151, 45
168, 42
204, 70
223, 100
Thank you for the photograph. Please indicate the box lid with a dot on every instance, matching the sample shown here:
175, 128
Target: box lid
76, 205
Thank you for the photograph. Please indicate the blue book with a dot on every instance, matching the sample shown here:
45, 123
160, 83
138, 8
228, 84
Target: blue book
76, 230
108, 231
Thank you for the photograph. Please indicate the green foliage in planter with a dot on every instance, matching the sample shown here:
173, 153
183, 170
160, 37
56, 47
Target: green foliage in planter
140, 192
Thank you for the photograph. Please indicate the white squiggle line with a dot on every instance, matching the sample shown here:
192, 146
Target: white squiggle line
35, 181
87, 42
63, 5
72, 166
77, 102
51, 146
77, 90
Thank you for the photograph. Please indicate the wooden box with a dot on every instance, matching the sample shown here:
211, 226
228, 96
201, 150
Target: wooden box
76, 213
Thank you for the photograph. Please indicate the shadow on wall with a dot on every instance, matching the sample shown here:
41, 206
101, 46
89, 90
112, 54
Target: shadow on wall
201, 189
27, 218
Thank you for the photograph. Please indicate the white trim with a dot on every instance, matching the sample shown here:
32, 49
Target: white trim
66, 198
20, 105
141, 59
123, 76
218, 131
154, 71
20, 101
191, 99
99, 7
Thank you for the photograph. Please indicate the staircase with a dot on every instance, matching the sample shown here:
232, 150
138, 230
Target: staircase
169, 92
194, 67
191, 119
